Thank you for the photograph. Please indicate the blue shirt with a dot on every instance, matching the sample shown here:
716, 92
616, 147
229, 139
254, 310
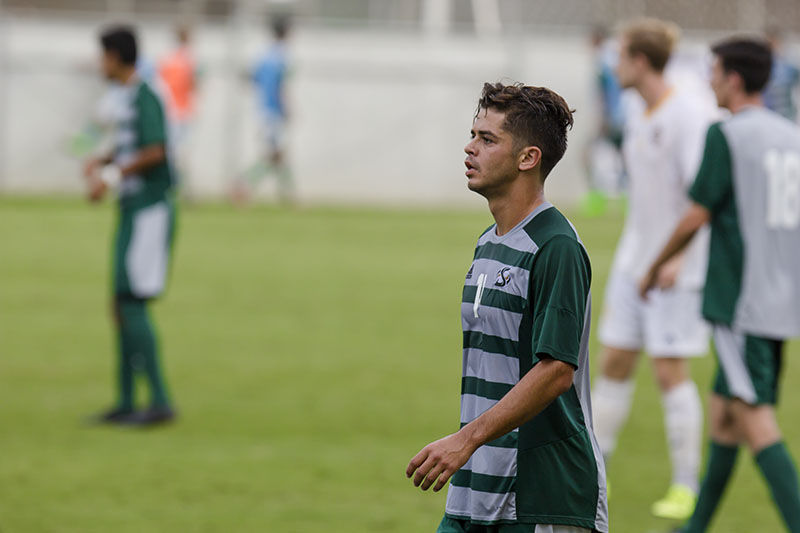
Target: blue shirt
269, 75
778, 95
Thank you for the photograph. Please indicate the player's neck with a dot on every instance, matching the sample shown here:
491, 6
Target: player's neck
127, 75
742, 101
654, 90
511, 208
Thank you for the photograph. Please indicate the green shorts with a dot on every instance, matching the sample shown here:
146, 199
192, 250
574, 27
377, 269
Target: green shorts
451, 525
142, 249
748, 367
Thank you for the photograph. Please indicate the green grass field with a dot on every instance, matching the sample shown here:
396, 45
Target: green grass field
311, 354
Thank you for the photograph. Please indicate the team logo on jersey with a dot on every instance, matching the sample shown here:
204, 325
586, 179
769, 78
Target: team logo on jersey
503, 277
656, 136
469, 274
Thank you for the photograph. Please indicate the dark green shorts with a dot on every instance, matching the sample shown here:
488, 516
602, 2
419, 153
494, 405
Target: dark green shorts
451, 525
748, 367
142, 249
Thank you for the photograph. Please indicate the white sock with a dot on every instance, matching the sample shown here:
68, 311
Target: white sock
683, 418
611, 405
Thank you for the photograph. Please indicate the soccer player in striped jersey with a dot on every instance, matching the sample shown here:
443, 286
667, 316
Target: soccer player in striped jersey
140, 171
525, 458
748, 190
662, 150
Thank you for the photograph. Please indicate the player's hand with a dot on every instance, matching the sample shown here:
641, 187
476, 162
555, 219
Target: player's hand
92, 168
668, 273
97, 188
439, 460
648, 282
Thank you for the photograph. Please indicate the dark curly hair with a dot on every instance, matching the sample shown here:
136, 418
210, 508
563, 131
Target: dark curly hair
535, 116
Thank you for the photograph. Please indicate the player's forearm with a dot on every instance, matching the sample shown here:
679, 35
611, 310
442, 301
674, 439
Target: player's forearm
536, 390
145, 158
694, 219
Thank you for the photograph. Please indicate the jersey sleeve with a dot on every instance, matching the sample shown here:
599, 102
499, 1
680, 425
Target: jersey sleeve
560, 280
714, 180
151, 124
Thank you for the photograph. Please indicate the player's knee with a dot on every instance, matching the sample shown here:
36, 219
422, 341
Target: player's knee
618, 365
670, 372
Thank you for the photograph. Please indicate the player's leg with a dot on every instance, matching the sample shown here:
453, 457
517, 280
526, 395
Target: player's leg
756, 416
124, 406
683, 423
722, 452
278, 160
140, 336
675, 332
621, 335
125, 372
146, 263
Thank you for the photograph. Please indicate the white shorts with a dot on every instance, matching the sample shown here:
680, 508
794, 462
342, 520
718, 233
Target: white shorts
668, 324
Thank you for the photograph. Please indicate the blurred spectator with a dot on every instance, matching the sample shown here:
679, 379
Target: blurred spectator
177, 71
269, 77
781, 91
604, 160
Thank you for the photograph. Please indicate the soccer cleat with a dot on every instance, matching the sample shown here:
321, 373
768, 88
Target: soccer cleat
677, 504
114, 416
153, 416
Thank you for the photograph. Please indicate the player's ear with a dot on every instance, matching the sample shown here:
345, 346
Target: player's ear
529, 157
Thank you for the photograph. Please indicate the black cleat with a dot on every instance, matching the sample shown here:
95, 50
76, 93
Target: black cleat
153, 416
114, 416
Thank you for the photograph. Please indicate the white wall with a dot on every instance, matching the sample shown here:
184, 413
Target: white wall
377, 117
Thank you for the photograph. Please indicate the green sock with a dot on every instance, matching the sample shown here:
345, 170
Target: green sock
124, 371
139, 335
778, 468
721, 460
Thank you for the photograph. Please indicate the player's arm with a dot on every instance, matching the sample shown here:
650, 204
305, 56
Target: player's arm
147, 157
561, 272
696, 217
441, 459
711, 187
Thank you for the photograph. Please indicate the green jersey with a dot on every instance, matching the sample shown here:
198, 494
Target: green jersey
526, 297
141, 123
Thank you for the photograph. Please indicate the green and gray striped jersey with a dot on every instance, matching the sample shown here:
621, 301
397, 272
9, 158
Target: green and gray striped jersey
750, 182
140, 122
526, 296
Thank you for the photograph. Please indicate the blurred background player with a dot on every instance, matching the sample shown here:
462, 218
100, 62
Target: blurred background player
748, 189
604, 160
139, 169
780, 95
269, 77
662, 149
178, 74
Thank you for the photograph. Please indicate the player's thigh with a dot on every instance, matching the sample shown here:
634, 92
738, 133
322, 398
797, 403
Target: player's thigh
673, 324
749, 366
759, 426
722, 423
621, 325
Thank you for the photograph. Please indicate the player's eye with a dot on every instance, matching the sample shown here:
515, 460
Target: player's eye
487, 140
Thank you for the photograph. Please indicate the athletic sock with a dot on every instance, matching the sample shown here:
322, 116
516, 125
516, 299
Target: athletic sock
778, 468
142, 340
124, 371
611, 405
683, 419
721, 460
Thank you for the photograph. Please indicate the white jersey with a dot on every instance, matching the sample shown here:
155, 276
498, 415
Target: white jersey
662, 149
